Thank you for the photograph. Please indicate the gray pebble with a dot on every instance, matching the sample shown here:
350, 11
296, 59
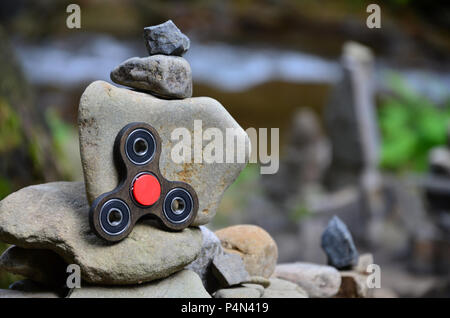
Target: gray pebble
165, 39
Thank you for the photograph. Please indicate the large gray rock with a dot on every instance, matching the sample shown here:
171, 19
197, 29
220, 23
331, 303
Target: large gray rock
105, 110
229, 269
43, 266
350, 118
318, 281
337, 242
211, 247
165, 38
165, 76
280, 288
54, 216
184, 284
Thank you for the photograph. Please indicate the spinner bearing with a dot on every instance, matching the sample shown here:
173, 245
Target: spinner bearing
142, 190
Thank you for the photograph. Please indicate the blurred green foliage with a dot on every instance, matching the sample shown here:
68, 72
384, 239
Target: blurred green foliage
60, 130
10, 131
299, 213
5, 187
237, 196
65, 145
410, 126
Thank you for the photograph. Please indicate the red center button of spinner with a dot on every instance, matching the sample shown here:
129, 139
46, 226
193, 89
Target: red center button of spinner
146, 189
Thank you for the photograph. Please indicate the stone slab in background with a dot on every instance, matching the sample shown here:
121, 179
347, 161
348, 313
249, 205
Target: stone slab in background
165, 38
105, 109
319, 281
306, 155
164, 76
350, 118
337, 242
57, 220
43, 266
184, 284
256, 247
280, 288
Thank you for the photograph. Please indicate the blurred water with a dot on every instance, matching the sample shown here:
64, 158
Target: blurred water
234, 68
72, 61
66, 62
224, 66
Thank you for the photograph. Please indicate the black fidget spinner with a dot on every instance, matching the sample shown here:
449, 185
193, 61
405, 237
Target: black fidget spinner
142, 190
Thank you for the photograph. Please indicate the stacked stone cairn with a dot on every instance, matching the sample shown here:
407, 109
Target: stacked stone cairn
48, 229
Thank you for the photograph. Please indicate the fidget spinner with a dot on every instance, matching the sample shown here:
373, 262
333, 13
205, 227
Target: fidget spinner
142, 190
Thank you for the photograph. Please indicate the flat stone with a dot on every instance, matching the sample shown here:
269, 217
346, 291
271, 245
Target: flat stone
105, 110
57, 220
43, 266
319, 281
239, 292
354, 285
256, 247
337, 242
161, 75
229, 270
184, 284
258, 287
211, 247
165, 38
280, 288
259, 280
